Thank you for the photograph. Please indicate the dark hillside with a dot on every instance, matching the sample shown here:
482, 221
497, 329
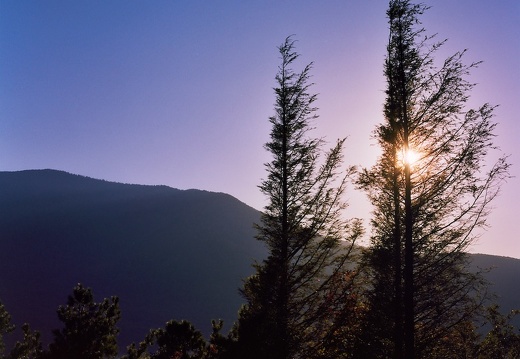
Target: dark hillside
504, 276
167, 253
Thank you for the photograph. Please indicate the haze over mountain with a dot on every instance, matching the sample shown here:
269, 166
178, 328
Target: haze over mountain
167, 253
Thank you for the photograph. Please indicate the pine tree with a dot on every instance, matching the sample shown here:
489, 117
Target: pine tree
90, 330
30, 347
178, 339
295, 299
431, 189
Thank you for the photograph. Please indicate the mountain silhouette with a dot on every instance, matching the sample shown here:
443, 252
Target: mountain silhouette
166, 253
502, 276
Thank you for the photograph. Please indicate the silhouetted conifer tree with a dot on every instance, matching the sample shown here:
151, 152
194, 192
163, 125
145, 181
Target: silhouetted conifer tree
30, 347
179, 340
90, 328
301, 294
431, 189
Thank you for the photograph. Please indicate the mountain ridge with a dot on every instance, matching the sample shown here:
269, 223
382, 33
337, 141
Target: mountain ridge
166, 253
155, 247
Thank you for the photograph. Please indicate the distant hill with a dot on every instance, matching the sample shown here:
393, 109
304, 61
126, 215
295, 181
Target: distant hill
503, 275
167, 253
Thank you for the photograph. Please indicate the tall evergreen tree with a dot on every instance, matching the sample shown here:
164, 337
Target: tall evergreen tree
431, 189
295, 298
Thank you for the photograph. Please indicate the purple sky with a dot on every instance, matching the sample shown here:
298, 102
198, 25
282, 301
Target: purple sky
179, 92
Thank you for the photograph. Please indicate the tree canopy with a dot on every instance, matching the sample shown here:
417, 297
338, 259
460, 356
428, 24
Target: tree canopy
427, 211
90, 330
294, 295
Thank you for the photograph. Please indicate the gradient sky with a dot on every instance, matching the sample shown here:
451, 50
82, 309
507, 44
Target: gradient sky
179, 92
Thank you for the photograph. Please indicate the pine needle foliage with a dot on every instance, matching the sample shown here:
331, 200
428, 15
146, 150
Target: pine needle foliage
295, 298
427, 211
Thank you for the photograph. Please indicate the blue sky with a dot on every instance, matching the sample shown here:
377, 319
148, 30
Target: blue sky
179, 92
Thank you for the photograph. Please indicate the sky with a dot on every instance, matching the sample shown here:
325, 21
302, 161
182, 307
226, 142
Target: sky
179, 92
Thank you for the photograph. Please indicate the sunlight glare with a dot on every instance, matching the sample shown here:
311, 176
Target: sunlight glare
410, 157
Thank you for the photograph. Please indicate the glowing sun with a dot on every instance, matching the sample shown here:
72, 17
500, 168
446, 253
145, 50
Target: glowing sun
410, 157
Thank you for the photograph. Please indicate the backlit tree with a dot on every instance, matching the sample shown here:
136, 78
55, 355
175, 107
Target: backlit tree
300, 293
431, 190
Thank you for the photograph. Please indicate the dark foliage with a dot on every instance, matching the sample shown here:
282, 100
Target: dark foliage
5, 326
300, 293
426, 211
30, 347
90, 330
